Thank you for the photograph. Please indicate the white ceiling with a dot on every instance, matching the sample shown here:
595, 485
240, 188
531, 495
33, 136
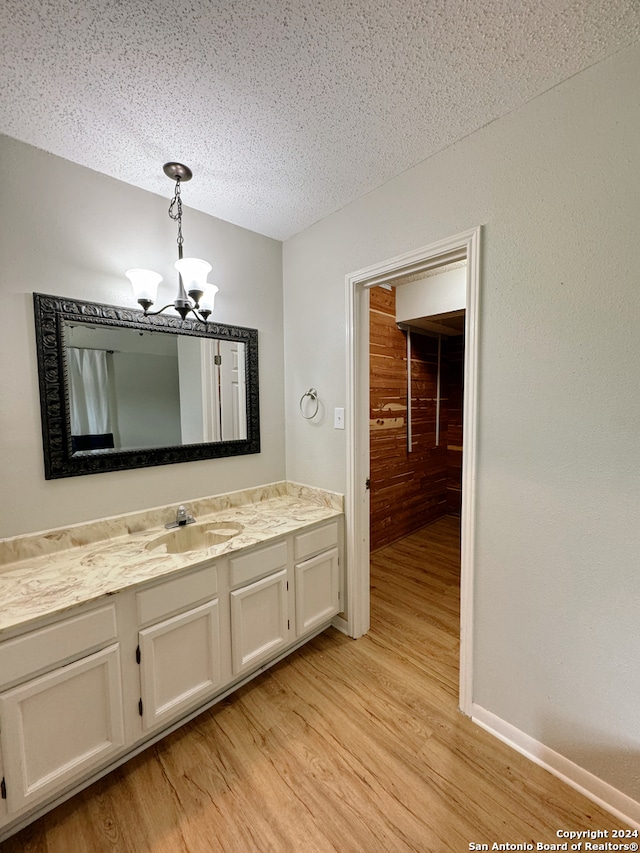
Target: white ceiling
286, 110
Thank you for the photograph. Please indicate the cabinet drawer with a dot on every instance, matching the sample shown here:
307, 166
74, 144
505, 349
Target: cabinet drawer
42, 649
262, 562
316, 540
175, 595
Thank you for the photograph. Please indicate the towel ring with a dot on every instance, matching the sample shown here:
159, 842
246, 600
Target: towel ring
313, 394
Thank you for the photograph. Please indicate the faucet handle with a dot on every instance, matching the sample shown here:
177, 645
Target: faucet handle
182, 517
182, 514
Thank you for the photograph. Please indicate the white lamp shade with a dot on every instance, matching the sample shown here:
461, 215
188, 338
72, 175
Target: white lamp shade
194, 273
208, 298
144, 283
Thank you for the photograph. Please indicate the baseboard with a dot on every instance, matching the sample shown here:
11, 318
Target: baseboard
341, 624
606, 796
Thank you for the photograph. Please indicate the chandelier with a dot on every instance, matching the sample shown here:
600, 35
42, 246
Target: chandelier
195, 294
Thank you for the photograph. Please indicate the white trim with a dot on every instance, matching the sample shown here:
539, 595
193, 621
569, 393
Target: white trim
459, 247
469, 470
357, 497
340, 624
605, 795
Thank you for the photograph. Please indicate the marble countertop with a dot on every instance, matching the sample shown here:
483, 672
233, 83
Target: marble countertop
73, 571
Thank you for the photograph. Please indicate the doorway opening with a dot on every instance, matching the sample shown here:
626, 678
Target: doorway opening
462, 247
416, 385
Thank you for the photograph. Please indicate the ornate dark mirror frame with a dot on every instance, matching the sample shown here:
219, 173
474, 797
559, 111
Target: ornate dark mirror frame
51, 312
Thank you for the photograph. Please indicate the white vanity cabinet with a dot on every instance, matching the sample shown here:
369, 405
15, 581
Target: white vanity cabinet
317, 577
63, 716
179, 645
82, 691
259, 603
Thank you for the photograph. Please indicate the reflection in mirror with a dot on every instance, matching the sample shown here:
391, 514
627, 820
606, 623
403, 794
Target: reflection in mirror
132, 390
122, 390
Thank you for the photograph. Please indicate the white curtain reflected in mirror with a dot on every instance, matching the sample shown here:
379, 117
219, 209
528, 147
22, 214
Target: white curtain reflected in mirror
89, 400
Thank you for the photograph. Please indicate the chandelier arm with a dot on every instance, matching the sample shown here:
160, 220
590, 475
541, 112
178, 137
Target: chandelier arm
200, 314
148, 313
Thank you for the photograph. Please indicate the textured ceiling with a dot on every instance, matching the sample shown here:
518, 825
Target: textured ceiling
286, 110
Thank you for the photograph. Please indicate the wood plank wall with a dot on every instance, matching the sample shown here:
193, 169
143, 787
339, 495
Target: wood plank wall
453, 383
408, 490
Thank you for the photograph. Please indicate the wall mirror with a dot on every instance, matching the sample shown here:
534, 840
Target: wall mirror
119, 389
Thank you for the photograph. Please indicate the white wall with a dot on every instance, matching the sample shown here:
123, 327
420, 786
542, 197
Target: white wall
555, 185
68, 231
147, 394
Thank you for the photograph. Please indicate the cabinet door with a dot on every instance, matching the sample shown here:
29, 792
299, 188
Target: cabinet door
259, 621
59, 726
179, 663
317, 591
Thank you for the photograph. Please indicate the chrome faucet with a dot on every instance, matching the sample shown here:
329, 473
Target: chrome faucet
182, 518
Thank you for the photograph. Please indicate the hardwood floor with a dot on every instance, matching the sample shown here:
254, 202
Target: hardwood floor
346, 746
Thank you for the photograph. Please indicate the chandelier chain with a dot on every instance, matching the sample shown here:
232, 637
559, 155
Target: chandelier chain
175, 212
191, 291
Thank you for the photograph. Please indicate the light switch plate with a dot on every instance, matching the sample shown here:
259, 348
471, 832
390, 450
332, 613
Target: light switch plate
338, 418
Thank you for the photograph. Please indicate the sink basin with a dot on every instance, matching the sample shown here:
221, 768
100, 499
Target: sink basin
195, 537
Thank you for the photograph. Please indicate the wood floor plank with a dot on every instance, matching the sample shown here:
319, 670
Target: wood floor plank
344, 747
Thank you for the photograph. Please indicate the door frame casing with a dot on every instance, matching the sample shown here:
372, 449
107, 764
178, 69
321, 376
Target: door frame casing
464, 245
